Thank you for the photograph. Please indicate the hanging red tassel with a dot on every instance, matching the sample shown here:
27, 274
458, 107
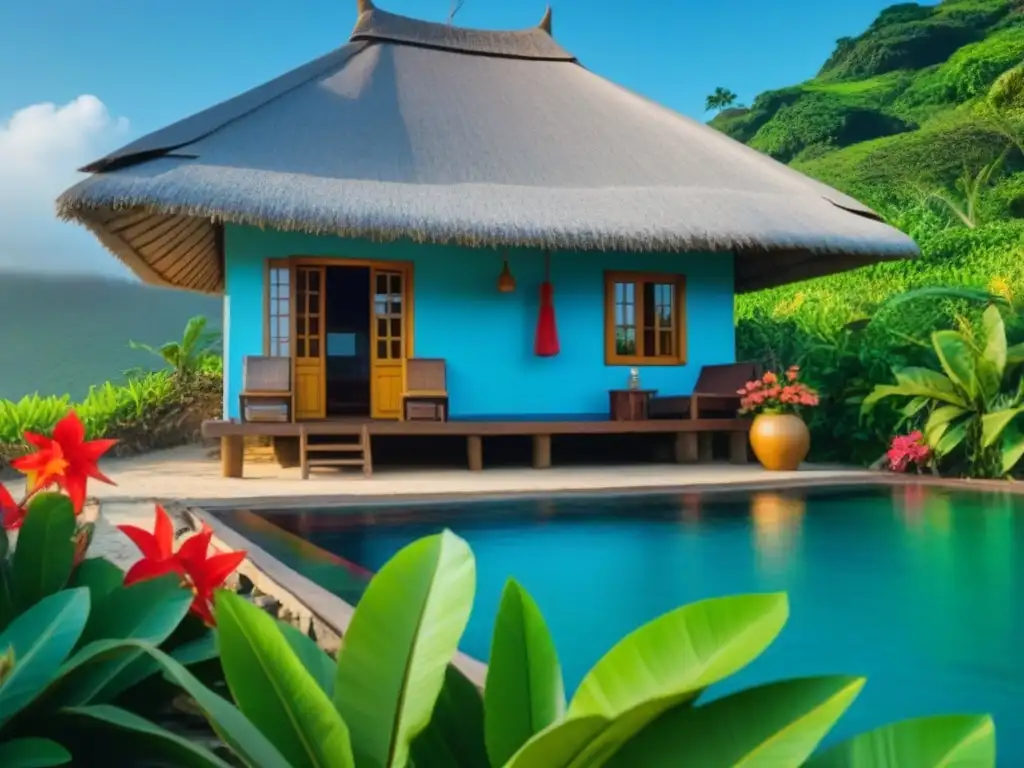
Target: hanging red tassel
546, 342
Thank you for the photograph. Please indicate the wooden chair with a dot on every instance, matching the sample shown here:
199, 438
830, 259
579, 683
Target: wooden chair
426, 390
714, 394
266, 389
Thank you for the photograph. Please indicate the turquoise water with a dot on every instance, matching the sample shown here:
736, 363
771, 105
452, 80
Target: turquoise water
917, 589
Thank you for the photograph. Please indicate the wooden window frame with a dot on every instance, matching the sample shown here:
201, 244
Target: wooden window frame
611, 357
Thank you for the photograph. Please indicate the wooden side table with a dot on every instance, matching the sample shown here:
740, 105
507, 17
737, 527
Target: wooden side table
630, 404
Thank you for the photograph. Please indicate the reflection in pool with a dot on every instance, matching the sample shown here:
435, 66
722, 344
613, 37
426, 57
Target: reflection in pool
918, 589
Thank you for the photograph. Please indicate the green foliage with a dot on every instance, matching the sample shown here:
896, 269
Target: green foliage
1007, 91
970, 404
639, 705
189, 355
151, 409
974, 68
905, 44
71, 636
720, 99
821, 118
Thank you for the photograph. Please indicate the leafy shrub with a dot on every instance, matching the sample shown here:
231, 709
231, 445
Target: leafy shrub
974, 68
821, 118
149, 410
906, 45
74, 635
394, 699
1007, 91
971, 403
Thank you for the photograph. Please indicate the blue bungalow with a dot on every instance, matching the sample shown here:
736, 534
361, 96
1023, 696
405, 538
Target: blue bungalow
405, 196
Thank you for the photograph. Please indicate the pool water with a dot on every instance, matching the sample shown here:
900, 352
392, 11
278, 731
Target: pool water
918, 589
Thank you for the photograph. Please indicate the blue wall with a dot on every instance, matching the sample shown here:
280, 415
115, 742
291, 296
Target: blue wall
487, 337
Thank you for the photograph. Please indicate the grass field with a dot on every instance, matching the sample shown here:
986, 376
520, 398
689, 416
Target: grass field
63, 334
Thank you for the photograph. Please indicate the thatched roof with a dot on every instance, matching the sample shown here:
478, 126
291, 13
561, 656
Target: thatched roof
440, 134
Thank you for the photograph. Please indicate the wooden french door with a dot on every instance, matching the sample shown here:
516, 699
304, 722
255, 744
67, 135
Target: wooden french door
310, 353
388, 312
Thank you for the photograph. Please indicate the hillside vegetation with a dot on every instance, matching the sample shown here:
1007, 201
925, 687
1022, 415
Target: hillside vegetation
921, 117
62, 335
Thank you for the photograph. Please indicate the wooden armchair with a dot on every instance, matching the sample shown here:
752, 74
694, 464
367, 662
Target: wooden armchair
714, 394
266, 389
426, 390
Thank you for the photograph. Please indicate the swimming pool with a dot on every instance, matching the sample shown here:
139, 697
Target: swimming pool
917, 588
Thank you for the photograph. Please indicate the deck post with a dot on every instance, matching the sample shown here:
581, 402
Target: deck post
475, 452
685, 448
542, 451
232, 455
738, 448
705, 447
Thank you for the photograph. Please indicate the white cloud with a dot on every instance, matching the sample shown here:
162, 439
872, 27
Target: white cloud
41, 146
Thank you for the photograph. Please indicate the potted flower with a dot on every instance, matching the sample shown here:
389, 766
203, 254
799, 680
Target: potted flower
779, 437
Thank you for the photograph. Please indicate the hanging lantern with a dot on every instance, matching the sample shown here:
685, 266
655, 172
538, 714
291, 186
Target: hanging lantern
546, 342
506, 283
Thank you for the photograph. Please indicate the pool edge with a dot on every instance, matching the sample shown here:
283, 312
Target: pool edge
293, 590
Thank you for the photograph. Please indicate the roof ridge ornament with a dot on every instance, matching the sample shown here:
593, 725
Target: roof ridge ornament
545, 23
364, 6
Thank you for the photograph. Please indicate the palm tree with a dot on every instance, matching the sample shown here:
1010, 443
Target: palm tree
186, 356
720, 99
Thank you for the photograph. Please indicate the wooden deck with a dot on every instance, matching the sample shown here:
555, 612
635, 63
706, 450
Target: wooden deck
692, 443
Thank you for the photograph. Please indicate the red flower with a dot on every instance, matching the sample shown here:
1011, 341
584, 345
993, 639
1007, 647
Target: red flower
192, 562
906, 450
67, 459
206, 573
12, 514
157, 548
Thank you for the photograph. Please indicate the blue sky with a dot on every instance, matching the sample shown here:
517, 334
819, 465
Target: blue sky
150, 62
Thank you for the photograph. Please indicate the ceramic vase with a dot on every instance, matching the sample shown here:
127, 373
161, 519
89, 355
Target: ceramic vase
780, 441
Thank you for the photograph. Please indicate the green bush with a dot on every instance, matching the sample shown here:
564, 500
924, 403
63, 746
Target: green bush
903, 45
394, 699
821, 118
969, 402
1007, 91
974, 68
148, 410
74, 642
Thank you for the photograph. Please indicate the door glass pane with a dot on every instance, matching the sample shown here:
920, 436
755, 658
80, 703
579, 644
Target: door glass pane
396, 327
314, 280
314, 347
382, 285
300, 325
314, 325
382, 327
382, 349
300, 347
396, 349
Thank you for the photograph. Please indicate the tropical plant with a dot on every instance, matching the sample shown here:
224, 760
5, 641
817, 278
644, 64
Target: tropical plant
964, 203
394, 698
186, 356
720, 99
972, 403
75, 632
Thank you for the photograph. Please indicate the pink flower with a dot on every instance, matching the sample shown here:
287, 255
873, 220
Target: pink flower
770, 378
905, 450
